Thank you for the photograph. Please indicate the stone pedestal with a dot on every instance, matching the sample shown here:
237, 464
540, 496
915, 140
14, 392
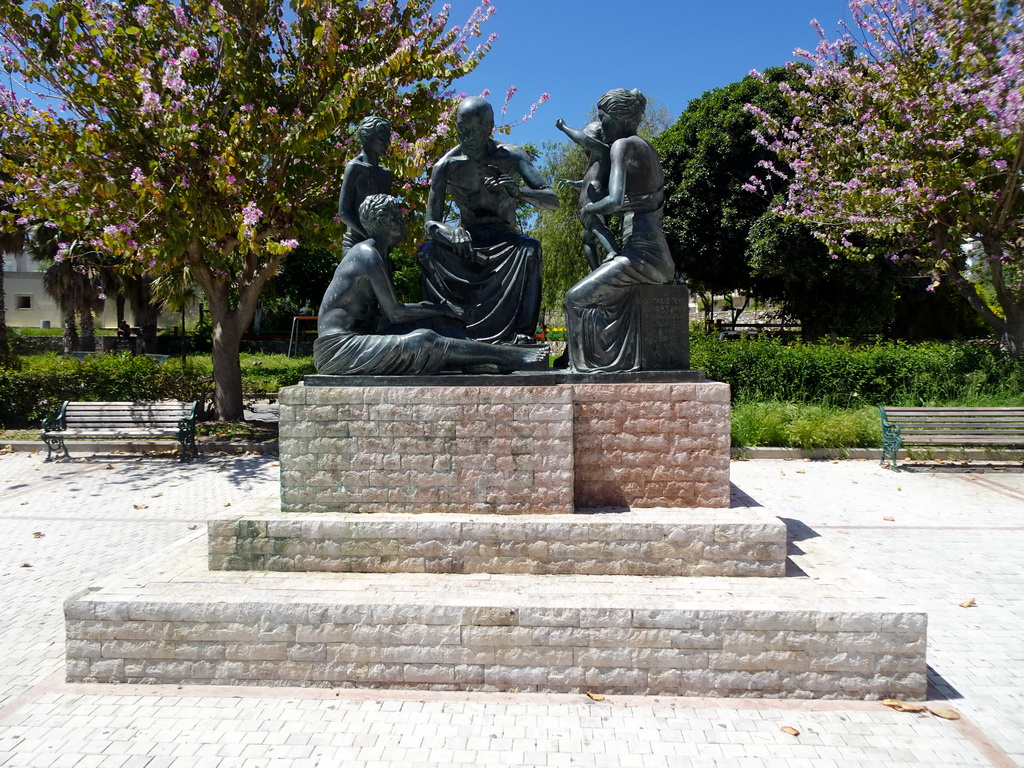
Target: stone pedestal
639, 596
485, 444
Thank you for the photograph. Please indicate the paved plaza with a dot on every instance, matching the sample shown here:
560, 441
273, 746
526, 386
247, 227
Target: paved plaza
932, 536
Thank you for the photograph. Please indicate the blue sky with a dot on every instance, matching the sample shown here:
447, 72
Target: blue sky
672, 50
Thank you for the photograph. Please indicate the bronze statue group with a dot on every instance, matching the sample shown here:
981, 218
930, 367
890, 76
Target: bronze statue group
481, 277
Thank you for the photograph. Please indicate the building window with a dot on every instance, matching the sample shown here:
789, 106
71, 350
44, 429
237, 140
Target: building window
23, 302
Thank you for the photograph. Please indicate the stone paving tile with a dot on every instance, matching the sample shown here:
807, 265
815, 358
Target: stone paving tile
957, 534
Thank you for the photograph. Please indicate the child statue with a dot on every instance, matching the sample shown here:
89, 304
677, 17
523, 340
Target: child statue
364, 176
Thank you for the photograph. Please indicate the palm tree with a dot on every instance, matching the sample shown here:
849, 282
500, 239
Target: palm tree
71, 282
10, 244
178, 291
71, 279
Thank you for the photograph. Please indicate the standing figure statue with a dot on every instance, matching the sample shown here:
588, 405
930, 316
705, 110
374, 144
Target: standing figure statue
593, 187
361, 297
364, 176
602, 310
484, 265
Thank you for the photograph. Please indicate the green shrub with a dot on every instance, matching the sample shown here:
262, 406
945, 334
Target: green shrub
848, 376
40, 383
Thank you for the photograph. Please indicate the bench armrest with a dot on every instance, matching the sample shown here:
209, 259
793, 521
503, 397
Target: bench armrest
891, 440
56, 423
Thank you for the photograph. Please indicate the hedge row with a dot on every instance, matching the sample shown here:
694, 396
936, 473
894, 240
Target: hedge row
41, 383
758, 371
851, 376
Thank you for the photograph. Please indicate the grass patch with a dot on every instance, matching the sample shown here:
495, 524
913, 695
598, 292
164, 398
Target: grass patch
793, 425
236, 431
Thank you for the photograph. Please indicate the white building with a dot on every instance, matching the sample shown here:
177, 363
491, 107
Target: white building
29, 306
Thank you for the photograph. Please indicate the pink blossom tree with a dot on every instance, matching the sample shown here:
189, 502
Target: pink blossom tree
213, 135
909, 132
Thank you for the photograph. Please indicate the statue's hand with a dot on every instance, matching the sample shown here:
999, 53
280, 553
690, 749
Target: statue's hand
453, 311
455, 239
560, 124
502, 182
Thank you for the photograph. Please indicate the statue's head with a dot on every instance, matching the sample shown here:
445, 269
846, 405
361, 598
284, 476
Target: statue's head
382, 215
625, 108
374, 133
474, 121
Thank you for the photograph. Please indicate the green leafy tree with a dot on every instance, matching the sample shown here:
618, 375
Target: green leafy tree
708, 156
909, 131
727, 239
209, 135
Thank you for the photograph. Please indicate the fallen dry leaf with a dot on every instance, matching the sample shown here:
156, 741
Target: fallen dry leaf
946, 714
37, 534
968, 603
192, 527
903, 706
156, 494
908, 707
26, 565
110, 466
801, 471
790, 730
7, 449
141, 506
227, 503
595, 696
890, 519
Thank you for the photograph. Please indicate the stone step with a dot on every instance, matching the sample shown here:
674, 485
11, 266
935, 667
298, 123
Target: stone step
646, 542
174, 621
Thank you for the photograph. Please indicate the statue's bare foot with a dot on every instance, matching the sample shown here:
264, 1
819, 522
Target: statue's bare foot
522, 358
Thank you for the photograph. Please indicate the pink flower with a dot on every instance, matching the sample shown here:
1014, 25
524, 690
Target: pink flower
251, 214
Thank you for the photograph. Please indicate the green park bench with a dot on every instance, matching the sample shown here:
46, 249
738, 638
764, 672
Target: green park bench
141, 419
961, 427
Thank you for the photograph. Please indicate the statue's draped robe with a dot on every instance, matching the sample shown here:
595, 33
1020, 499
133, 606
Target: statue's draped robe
499, 289
602, 311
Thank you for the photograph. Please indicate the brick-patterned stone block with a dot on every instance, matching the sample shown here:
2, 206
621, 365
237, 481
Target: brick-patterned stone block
504, 449
669, 542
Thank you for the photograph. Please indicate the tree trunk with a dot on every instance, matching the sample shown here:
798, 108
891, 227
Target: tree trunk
69, 338
1011, 338
1010, 326
230, 323
147, 312
227, 368
88, 326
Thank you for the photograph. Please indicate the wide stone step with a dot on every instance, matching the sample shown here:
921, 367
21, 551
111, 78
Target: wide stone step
174, 621
647, 542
